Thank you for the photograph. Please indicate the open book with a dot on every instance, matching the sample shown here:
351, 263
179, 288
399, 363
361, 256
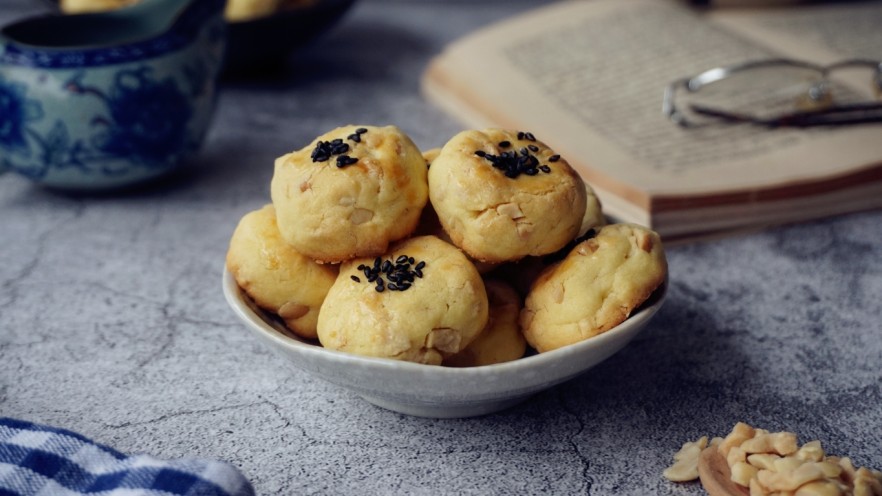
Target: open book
587, 78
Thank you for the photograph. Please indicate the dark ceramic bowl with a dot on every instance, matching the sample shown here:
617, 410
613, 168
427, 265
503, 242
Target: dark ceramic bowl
264, 43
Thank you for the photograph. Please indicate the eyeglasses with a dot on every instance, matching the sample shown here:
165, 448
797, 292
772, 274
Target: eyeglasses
778, 93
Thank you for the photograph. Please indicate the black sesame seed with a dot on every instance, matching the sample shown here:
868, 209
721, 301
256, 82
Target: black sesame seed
354, 137
321, 152
394, 275
504, 144
544, 168
554, 158
344, 160
361, 130
513, 163
324, 150
533, 148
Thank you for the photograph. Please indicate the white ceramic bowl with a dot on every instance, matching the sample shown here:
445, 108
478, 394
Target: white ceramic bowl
435, 391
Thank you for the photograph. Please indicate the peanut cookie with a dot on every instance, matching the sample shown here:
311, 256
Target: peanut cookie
593, 218
350, 193
595, 288
501, 340
422, 301
503, 195
274, 275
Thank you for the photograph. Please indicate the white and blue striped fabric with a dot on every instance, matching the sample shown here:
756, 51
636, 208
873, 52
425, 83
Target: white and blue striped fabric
41, 460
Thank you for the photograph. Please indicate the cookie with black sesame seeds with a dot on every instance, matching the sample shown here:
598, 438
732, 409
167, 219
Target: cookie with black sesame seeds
594, 288
274, 275
503, 195
350, 193
422, 301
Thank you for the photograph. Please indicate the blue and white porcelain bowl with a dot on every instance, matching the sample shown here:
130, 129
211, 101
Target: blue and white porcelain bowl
108, 102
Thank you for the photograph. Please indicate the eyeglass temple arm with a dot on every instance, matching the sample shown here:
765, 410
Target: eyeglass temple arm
858, 113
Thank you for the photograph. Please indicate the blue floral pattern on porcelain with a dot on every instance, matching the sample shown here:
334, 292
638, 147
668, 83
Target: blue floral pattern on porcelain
104, 117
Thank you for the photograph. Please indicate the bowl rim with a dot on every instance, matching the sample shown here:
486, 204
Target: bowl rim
236, 298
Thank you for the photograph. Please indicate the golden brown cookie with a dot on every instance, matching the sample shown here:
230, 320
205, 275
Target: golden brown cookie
501, 340
246, 10
595, 288
430, 225
524, 272
350, 193
422, 301
503, 195
593, 218
85, 6
274, 275
430, 155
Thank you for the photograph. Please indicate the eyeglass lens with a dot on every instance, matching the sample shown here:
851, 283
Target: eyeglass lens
766, 91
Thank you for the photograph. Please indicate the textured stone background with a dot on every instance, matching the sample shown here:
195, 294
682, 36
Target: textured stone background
112, 321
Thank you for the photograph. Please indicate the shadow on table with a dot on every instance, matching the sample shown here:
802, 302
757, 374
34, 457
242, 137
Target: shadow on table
687, 366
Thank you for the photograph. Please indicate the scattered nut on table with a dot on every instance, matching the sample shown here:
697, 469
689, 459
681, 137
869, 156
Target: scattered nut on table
773, 463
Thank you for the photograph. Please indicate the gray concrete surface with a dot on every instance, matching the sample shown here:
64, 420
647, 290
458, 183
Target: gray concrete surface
112, 321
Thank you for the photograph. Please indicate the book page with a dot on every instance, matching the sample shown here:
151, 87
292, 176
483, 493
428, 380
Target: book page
588, 78
843, 30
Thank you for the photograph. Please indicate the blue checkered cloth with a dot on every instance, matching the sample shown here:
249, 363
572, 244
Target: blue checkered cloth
40, 460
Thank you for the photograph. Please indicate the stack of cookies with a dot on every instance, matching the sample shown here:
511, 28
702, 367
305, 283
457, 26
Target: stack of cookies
467, 255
